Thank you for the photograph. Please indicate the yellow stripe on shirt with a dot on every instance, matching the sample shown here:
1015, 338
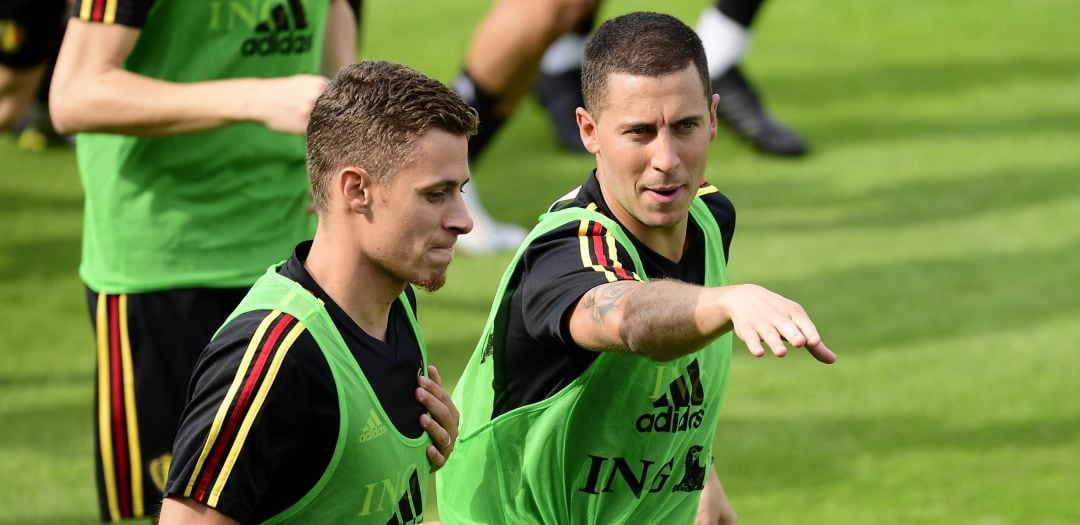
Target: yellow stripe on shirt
252, 413
110, 11
223, 410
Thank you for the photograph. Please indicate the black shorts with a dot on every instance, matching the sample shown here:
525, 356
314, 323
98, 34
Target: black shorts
147, 345
30, 31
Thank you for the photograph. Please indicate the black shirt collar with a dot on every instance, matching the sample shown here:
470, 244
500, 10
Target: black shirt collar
590, 193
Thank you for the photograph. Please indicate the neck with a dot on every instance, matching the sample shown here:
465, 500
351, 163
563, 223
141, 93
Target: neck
667, 241
359, 288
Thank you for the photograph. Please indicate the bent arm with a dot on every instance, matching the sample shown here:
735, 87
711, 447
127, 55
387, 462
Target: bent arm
664, 320
91, 91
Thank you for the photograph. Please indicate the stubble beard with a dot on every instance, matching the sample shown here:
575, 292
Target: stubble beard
429, 282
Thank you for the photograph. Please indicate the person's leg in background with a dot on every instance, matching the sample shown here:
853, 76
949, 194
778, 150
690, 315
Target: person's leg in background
501, 67
147, 345
558, 87
725, 31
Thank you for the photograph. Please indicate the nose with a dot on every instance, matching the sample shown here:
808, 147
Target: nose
665, 156
458, 219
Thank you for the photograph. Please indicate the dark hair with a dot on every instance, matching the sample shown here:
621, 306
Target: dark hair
370, 116
648, 44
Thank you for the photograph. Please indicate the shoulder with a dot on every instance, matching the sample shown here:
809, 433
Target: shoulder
260, 390
718, 203
259, 342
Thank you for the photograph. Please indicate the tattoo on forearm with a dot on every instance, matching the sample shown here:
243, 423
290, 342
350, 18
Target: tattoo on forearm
603, 299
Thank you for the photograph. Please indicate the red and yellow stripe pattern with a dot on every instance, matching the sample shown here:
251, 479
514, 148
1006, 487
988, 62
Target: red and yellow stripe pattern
599, 252
706, 189
117, 420
254, 377
98, 11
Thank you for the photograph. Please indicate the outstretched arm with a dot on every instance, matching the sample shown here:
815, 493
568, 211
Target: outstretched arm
91, 91
664, 320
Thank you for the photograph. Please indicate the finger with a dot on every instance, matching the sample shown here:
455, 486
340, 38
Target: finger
433, 373
776, 344
435, 458
791, 333
808, 329
440, 436
433, 403
753, 343
822, 353
436, 389
433, 388
438, 410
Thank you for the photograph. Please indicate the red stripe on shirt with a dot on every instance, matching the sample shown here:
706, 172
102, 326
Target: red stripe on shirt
236, 416
99, 11
598, 244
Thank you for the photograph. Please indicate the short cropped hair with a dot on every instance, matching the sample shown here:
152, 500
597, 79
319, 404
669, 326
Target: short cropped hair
370, 116
646, 44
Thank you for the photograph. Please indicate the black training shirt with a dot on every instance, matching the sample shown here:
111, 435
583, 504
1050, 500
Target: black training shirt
293, 431
538, 357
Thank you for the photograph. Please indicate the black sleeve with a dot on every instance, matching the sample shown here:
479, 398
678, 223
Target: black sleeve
128, 12
559, 267
251, 401
724, 212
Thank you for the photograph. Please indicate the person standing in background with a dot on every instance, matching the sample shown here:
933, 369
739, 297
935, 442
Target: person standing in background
190, 118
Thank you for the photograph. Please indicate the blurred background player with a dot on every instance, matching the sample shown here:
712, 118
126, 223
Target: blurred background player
526, 44
30, 34
190, 117
500, 68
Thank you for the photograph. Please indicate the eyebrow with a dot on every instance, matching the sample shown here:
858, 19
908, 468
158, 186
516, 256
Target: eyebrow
692, 118
444, 184
652, 125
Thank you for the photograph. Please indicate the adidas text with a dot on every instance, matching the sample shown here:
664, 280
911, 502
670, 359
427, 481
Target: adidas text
277, 44
671, 420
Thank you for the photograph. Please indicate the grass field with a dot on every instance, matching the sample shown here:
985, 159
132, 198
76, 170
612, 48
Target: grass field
934, 234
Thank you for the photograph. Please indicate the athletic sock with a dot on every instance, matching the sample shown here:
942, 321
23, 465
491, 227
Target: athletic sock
484, 104
724, 39
563, 55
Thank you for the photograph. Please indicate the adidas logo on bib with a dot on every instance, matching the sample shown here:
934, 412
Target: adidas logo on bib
373, 428
678, 409
279, 35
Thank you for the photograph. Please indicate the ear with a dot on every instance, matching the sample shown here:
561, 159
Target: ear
354, 186
714, 101
587, 128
